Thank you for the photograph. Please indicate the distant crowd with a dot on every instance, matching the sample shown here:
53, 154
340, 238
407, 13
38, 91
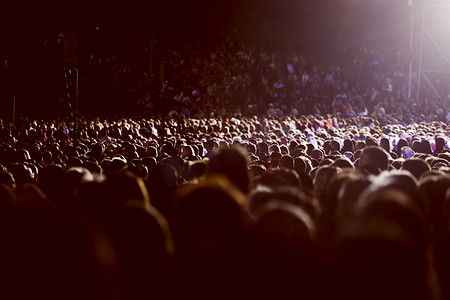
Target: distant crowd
232, 79
237, 80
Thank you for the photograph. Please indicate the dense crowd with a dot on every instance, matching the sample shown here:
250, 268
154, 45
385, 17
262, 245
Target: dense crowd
233, 79
209, 208
238, 80
260, 174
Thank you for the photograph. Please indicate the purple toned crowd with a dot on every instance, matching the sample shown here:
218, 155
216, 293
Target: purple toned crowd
240, 207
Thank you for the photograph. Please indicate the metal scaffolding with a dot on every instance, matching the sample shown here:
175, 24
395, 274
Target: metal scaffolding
434, 49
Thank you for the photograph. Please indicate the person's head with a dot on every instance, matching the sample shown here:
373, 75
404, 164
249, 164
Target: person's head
322, 178
388, 228
282, 243
7, 179
52, 181
187, 152
30, 197
343, 163
348, 195
251, 148
400, 144
416, 166
300, 165
197, 169
124, 186
440, 144
22, 174
284, 227
434, 188
286, 161
335, 146
208, 217
374, 160
263, 147
274, 159
278, 177
416, 145
292, 146
348, 146
152, 151
426, 147
385, 144
162, 183
232, 163
370, 141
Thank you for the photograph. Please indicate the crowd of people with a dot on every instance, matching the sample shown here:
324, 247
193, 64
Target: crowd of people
255, 173
234, 79
316, 207
239, 80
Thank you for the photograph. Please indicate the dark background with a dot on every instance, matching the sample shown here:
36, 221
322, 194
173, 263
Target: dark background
32, 61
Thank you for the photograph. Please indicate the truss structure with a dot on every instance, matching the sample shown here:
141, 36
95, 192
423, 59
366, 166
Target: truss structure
434, 51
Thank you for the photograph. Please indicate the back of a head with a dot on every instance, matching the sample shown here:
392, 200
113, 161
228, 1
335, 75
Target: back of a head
371, 142
416, 146
426, 147
394, 206
141, 236
22, 174
278, 177
207, 211
285, 227
348, 196
124, 186
385, 144
233, 164
187, 152
374, 159
263, 147
197, 169
343, 163
398, 179
299, 164
322, 177
210, 226
7, 178
389, 229
416, 166
348, 146
400, 144
435, 188
51, 180
31, 198
440, 144
335, 146
286, 161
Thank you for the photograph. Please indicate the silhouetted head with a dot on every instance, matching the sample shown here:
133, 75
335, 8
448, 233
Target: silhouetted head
232, 163
374, 160
416, 167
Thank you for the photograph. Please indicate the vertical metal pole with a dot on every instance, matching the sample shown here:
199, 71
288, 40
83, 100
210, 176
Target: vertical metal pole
76, 102
14, 110
152, 35
421, 49
411, 37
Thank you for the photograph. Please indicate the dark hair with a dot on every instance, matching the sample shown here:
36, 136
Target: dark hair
374, 159
233, 163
